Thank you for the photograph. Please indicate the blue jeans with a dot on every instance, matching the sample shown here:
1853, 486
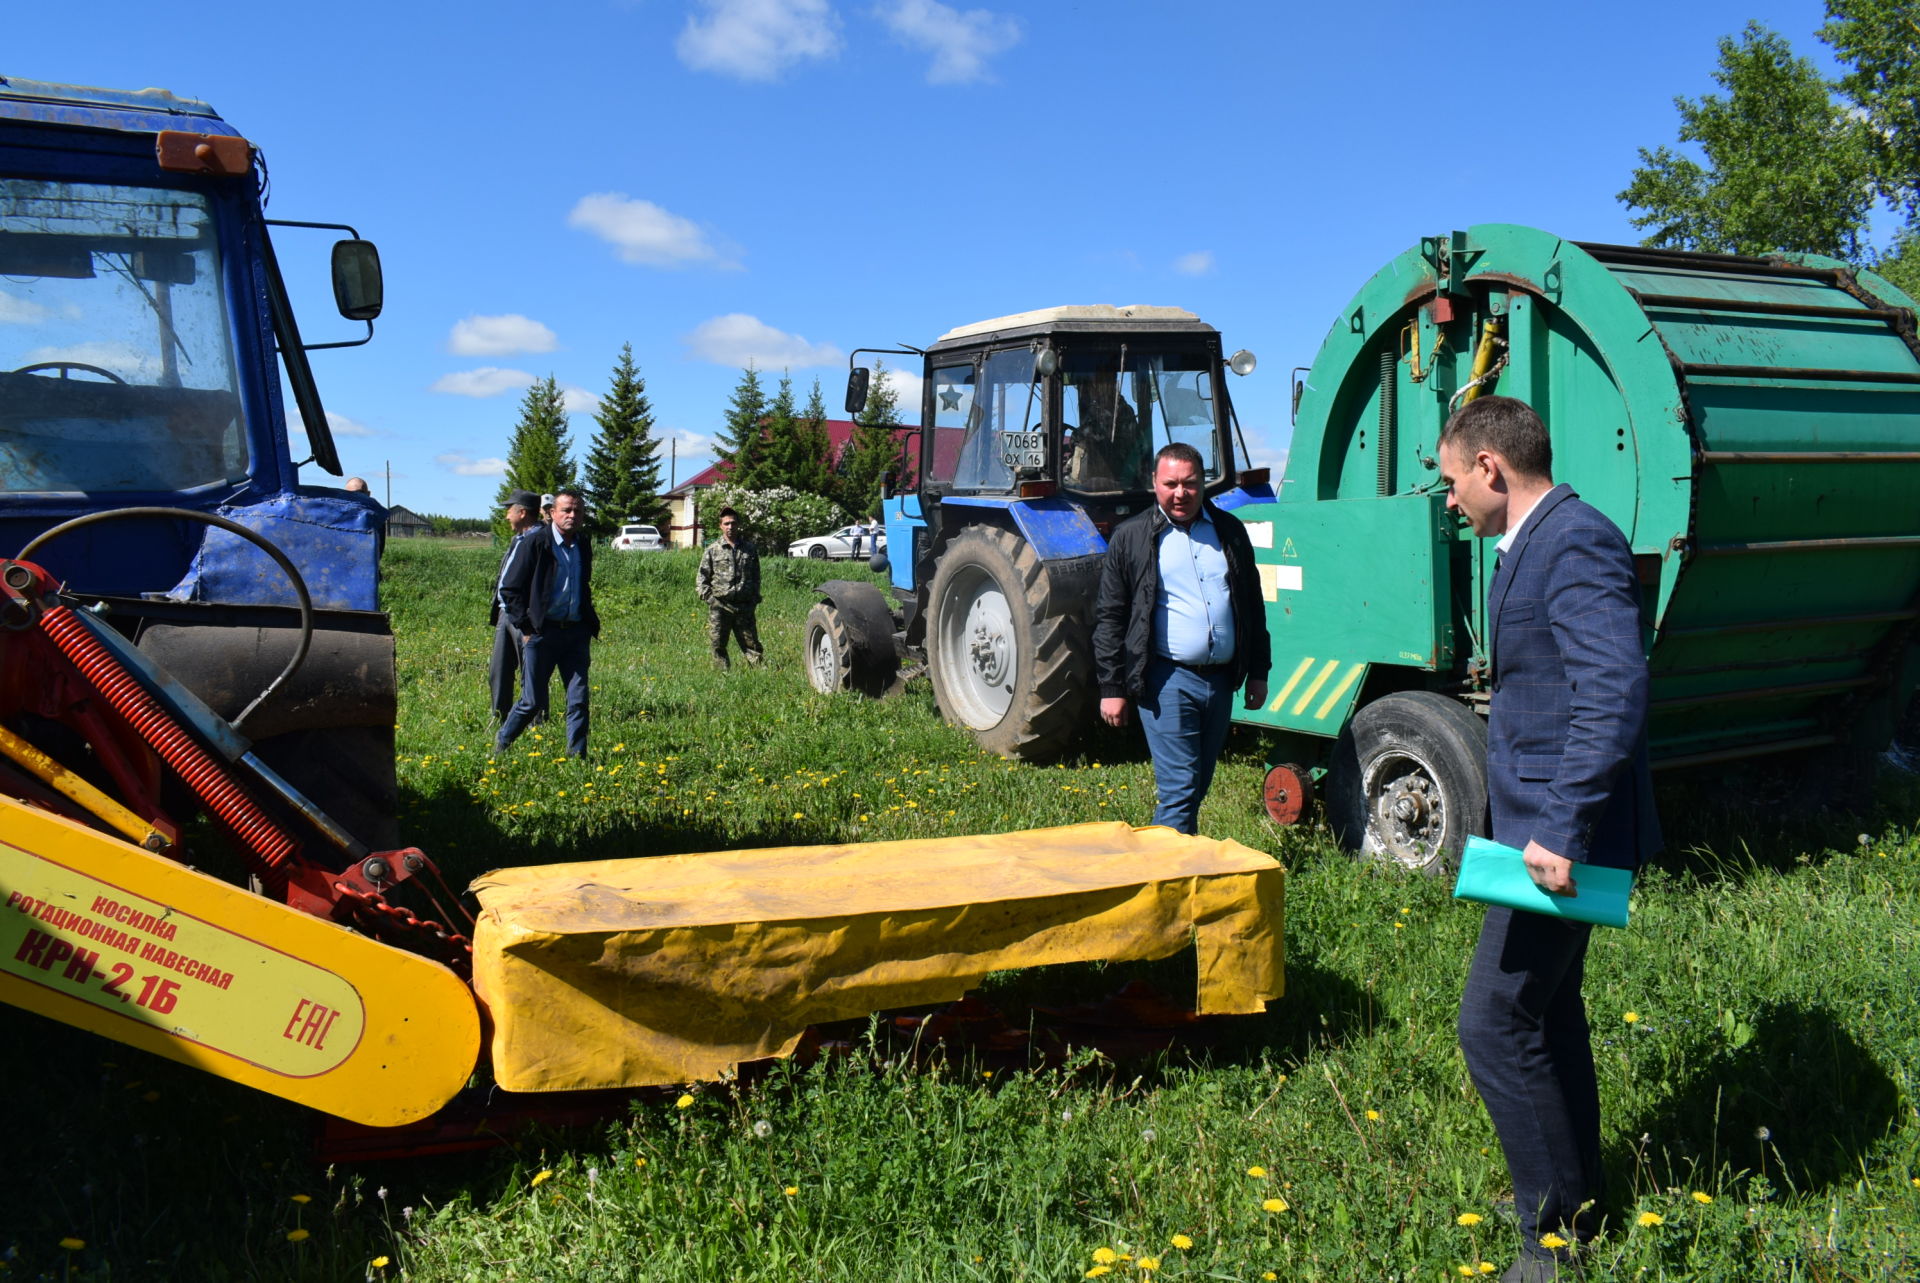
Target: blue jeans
1523, 1031
569, 651
1185, 715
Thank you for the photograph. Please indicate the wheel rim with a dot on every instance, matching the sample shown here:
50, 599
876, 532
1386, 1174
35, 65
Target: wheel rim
1406, 809
817, 553
979, 652
823, 665
1287, 791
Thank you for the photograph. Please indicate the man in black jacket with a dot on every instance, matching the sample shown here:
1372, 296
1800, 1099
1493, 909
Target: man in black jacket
1179, 625
547, 594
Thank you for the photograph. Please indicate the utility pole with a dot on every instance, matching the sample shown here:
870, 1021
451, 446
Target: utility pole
389, 483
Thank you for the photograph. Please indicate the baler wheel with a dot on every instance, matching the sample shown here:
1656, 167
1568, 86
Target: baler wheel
1004, 665
1408, 782
829, 651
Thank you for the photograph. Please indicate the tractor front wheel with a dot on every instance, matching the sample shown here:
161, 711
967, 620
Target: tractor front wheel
1008, 661
829, 651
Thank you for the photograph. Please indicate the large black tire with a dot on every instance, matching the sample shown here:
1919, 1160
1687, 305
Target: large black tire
348, 772
818, 552
829, 650
1408, 782
1009, 662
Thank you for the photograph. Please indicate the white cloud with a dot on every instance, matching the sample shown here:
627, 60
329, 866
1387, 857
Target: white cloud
499, 336
20, 311
1198, 263
130, 363
485, 381
758, 39
344, 427
642, 232
738, 339
575, 400
906, 394
960, 42
461, 464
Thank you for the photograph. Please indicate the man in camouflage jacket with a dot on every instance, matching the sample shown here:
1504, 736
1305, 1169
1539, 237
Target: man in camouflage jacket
729, 582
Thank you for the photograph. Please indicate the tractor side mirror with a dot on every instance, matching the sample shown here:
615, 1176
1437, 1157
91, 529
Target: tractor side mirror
857, 389
886, 484
357, 286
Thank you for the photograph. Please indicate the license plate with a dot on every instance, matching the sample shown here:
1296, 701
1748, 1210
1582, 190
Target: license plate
1023, 449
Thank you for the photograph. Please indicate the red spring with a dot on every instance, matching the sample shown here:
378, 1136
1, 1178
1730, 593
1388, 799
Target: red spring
191, 762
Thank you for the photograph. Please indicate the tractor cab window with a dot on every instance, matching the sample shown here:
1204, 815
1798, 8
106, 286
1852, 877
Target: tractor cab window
1118, 406
1005, 431
953, 409
116, 366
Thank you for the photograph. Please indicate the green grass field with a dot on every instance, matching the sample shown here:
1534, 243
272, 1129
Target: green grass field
1757, 1030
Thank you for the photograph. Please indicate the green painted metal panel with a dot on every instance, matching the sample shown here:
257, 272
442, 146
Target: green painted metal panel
1752, 424
1348, 584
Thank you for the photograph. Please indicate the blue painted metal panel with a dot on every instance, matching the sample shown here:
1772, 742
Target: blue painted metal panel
1241, 496
902, 517
333, 538
143, 110
1057, 528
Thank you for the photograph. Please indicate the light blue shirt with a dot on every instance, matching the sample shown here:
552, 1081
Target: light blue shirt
563, 602
1193, 615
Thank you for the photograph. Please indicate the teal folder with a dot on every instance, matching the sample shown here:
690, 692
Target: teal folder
1495, 874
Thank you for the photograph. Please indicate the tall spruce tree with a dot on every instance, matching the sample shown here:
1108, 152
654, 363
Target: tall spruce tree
796, 450
740, 443
874, 449
816, 443
540, 456
623, 462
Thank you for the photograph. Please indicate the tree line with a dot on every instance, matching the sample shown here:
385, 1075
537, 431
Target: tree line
776, 455
1794, 161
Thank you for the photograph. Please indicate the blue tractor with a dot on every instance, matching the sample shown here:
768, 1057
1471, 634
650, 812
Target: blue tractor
1039, 432
145, 330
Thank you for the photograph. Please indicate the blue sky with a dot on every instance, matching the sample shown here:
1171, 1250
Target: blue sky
781, 181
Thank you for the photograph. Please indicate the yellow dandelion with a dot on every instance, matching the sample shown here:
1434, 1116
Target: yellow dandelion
1269, 1276
72, 1244
1552, 1242
539, 1179
1648, 1219
1147, 1264
640, 1162
1466, 1271
685, 1102
1702, 1199
1632, 1017
791, 1191
1488, 1267
301, 1198
1274, 1205
379, 1262
1181, 1241
1105, 1256
297, 1236
1373, 1115
799, 815
1096, 1271
1467, 1218
1257, 1171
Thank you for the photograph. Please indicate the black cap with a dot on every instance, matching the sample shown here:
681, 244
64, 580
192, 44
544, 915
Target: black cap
526, 499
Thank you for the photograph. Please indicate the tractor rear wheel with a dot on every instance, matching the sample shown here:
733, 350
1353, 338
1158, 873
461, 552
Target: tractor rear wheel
1009, 662
1408, 782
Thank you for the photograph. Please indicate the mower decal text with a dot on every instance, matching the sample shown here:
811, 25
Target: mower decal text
64, 931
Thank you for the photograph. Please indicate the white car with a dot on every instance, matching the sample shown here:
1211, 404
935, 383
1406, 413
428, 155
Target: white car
847, 541
633, 538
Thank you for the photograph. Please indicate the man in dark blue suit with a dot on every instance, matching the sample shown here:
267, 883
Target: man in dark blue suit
1568, 783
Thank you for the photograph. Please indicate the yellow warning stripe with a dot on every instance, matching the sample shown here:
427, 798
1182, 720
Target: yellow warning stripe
1292, 682
1319, 680
1314, 686
1346, 682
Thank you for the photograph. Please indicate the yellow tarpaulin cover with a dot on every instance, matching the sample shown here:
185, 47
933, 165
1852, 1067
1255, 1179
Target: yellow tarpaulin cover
632, 973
